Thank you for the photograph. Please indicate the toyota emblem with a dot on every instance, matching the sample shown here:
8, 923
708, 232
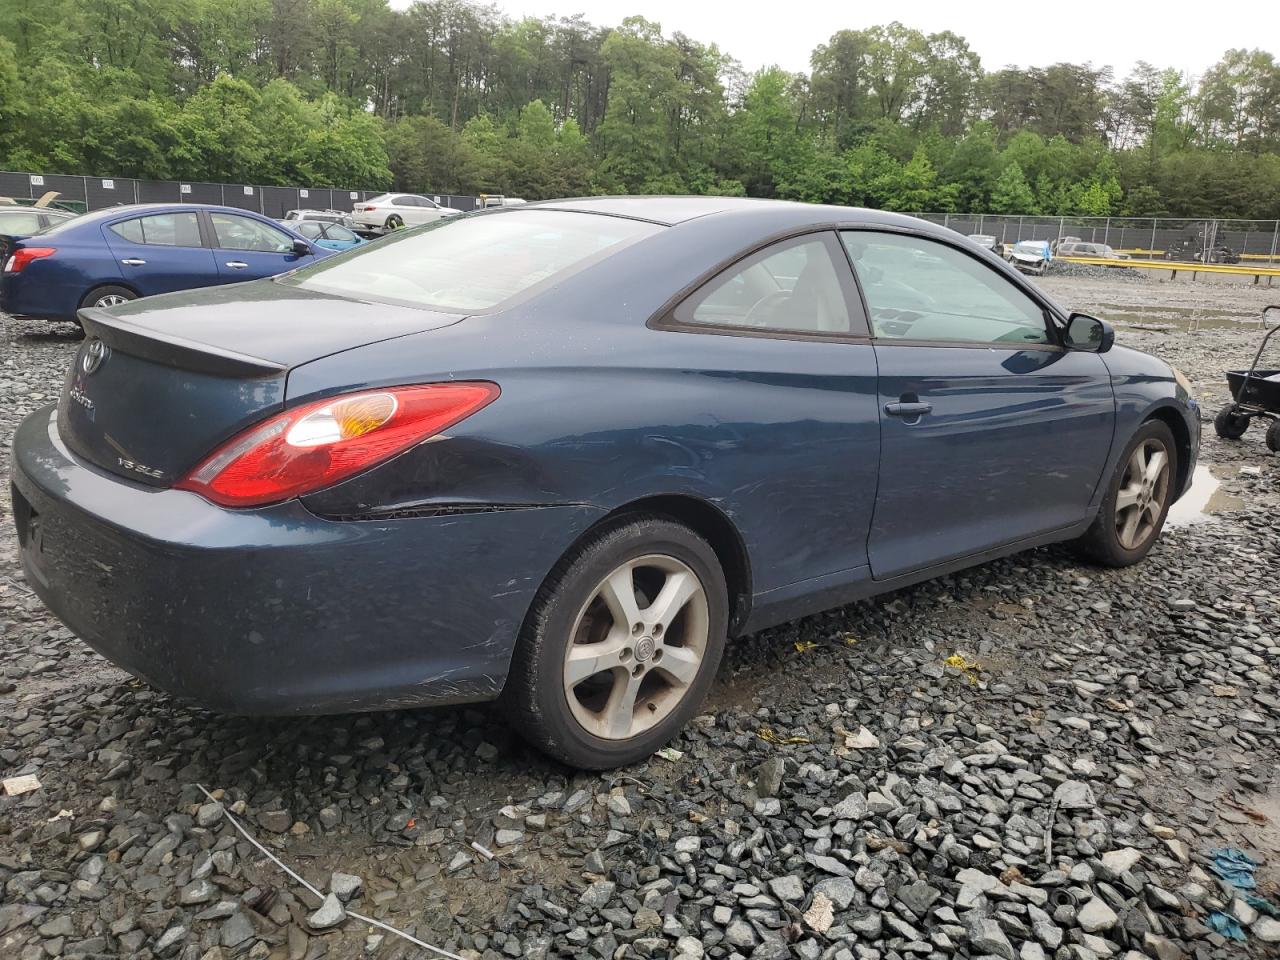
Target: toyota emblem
94, 356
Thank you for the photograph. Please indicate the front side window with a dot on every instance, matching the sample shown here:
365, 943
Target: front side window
791, 286
310, 229
161, 229
470, 264
244, 233
919, 289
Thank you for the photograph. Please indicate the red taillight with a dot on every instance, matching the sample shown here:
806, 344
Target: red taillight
316, 445
24, 255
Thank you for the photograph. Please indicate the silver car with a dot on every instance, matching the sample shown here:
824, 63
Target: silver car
391, 211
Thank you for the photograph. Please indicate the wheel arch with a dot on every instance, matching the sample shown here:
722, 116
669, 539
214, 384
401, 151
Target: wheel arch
1177, 425
110, 283
710, 523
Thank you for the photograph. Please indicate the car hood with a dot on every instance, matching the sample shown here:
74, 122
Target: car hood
1128, 362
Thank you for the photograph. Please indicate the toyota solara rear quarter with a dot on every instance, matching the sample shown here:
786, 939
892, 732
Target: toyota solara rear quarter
557, 454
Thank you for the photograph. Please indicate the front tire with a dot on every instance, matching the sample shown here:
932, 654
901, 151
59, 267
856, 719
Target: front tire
1230, 425
1273, 436
621, 644
1138, 498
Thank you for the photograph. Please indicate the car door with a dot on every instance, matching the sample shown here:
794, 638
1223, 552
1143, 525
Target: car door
407, 209
991, 431
247, 248
161, 252
785, 383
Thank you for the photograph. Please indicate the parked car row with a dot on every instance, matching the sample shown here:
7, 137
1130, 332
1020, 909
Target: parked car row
56, 262
111, 256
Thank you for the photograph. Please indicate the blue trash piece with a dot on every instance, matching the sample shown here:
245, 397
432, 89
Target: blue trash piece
1234, 866
1261, 905
1226, 925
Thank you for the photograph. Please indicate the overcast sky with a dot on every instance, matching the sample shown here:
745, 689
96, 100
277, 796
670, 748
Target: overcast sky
1175, 33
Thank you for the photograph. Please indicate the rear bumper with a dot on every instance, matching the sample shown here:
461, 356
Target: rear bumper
276, 611
24, 296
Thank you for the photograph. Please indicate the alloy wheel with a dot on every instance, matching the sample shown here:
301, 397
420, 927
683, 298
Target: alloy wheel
636, 647
110, 300
1143, 493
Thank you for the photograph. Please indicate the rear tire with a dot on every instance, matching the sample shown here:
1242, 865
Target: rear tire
1273, 436
107, 296
600, 679
1137, 500
1230, 425
394, 222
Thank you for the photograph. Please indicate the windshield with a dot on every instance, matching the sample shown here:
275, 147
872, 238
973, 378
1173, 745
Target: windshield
474, 263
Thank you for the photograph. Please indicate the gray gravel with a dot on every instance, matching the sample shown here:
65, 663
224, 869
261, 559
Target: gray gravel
1128, 720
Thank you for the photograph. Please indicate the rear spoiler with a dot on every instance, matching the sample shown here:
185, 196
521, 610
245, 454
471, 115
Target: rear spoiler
172, 351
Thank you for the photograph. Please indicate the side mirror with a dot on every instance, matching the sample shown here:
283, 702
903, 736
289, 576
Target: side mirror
1271, 316
1089, 334
302, 248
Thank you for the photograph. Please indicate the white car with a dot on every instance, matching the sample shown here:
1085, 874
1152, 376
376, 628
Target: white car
391, 211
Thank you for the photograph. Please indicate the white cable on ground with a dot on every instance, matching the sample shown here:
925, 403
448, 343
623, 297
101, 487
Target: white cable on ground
350, 913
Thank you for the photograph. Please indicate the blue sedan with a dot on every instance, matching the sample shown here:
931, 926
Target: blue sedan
331, 236
558, 454
111, 256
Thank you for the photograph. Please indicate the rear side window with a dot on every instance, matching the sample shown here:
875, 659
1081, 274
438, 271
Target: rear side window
471, 264
161, 229
310, 229
336, 231
791, 286
19, 222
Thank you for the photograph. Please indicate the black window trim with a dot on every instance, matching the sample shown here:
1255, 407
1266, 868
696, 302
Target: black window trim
855, 305
1054, 322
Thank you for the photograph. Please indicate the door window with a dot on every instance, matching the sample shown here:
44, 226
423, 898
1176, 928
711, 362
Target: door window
161, 229
336, 231
919, 289
791, 286
310, 229
244, 233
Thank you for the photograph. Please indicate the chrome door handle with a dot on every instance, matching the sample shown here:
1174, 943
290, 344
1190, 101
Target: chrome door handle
908, 410
133, 262
237, 264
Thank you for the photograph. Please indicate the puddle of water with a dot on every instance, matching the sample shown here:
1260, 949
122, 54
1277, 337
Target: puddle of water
1202, 501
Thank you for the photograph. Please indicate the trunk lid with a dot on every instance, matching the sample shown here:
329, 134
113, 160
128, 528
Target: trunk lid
160, 382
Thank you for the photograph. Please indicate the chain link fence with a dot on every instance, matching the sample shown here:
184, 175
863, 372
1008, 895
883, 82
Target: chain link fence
95, 193
1167, 238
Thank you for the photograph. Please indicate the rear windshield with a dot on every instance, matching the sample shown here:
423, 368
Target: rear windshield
474, 263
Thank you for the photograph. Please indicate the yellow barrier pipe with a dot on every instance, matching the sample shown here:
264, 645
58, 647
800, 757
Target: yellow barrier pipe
1176, 265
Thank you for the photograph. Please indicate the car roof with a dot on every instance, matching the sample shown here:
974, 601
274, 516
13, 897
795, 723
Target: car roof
782, 214
139, 209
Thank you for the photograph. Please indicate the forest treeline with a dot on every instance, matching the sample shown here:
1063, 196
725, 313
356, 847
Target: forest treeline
448, 96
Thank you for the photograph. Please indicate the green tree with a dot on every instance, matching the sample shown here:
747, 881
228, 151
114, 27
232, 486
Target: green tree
1011, 192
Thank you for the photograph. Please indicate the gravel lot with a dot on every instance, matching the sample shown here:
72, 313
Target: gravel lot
1033, 758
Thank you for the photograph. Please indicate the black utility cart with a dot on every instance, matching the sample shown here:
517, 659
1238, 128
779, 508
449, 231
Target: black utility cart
1255, 393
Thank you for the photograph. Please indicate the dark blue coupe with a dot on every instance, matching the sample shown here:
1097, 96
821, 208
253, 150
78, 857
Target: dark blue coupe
115, 255
557, 454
